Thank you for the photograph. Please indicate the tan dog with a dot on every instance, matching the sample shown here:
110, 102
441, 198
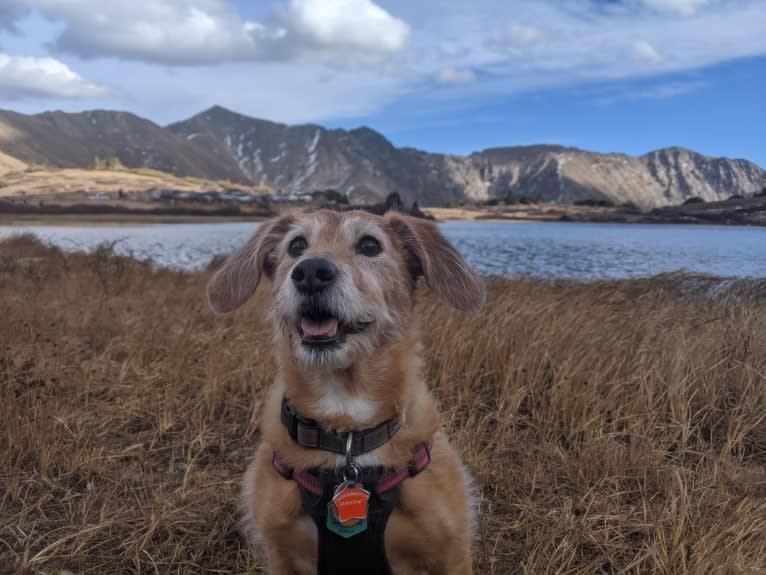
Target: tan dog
347, 345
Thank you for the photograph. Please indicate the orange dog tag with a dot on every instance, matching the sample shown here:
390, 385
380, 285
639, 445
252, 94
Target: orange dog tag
349, 504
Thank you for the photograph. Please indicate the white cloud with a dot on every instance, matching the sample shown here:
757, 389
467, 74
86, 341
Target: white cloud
540, 43
27, 77
455, 76
348, 23
192, 32
522, 35
374, 51
661, 91
682, 7
644, 51
10, 12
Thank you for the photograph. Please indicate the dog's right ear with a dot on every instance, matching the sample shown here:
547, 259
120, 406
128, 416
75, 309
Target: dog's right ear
430, 255
235, 281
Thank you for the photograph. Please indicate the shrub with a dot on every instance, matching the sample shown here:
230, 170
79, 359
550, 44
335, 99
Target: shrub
600, 203
112, 163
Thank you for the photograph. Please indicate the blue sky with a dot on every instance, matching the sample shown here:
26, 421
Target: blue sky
628, 76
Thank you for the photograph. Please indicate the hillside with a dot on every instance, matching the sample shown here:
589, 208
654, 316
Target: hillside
63, 140
663, 177
364, 165
360, 163
10, 164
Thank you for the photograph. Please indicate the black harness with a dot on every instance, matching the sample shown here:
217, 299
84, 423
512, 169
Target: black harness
364, 552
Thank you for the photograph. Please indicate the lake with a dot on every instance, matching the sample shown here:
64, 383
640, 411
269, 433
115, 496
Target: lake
540, 249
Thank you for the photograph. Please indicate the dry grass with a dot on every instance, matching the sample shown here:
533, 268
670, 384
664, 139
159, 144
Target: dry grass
10, 164
39, 181
613, 427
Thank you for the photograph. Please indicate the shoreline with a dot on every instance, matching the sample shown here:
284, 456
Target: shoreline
21, 220
747, 212
750, 212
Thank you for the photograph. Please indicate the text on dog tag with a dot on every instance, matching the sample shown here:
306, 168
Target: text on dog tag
349, 505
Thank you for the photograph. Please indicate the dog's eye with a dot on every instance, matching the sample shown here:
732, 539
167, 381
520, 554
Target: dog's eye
297, 246
368, 246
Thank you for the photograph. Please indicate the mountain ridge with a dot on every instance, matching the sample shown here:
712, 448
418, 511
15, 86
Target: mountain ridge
219, 143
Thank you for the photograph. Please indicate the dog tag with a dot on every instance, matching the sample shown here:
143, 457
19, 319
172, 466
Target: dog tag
349, 504
338, 529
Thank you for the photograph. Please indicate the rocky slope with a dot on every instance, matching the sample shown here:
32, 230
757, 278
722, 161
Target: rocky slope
663, 177
10, 164
62, 140
360, 163
364, 165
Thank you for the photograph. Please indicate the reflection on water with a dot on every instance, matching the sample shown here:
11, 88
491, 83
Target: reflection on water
500, 248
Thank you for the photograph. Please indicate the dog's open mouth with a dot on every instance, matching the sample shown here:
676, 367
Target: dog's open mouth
322, 329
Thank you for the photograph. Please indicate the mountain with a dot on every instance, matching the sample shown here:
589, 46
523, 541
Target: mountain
663, 177
63, 140
10, 164
364, 165
361, 163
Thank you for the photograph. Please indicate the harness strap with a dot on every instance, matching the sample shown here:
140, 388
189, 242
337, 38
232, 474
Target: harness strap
310, 479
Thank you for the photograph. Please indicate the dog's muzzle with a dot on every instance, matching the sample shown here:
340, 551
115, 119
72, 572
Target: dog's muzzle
319, 327
313, 275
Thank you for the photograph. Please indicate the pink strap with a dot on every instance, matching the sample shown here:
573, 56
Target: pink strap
419, 462
306, 480
387, 481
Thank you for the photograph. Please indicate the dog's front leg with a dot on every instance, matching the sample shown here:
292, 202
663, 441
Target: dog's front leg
290, 558
278, 524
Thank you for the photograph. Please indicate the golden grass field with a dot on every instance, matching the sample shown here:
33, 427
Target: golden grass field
19, 180
613, 427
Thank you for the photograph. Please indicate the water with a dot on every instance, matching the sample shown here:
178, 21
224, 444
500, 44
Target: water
541, 249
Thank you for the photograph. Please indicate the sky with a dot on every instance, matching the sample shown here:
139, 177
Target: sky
606, 75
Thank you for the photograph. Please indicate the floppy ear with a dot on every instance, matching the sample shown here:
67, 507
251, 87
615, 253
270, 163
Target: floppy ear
432, 256
236, 280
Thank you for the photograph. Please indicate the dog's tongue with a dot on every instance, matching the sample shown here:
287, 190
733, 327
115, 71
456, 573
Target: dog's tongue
325, 328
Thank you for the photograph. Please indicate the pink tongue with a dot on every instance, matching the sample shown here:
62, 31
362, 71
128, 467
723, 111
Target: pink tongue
318, 329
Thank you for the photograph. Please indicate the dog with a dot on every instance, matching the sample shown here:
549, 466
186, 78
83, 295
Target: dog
348, 420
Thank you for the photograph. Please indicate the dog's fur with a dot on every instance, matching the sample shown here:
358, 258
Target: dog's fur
373, 376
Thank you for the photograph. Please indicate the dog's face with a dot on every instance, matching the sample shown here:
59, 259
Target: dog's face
343, 283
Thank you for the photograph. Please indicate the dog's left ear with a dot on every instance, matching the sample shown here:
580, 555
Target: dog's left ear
430, 255
236, 280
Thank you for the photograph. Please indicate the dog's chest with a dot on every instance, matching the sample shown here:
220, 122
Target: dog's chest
335, 401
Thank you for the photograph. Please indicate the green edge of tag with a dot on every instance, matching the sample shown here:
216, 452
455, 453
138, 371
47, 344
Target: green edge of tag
347, 532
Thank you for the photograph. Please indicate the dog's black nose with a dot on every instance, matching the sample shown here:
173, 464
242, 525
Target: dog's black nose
313, 275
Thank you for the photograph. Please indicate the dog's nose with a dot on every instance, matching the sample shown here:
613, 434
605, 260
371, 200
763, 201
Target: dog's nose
313, 275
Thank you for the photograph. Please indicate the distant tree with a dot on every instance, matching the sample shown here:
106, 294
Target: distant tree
330, 195
418, 213
393, 202
763, 192
510, 199
693, 200
112, 163
601, 203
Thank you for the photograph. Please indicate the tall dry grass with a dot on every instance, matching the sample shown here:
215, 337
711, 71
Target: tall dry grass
615, 427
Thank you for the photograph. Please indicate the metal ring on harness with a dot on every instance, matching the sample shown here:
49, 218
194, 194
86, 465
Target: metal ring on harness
350, 469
